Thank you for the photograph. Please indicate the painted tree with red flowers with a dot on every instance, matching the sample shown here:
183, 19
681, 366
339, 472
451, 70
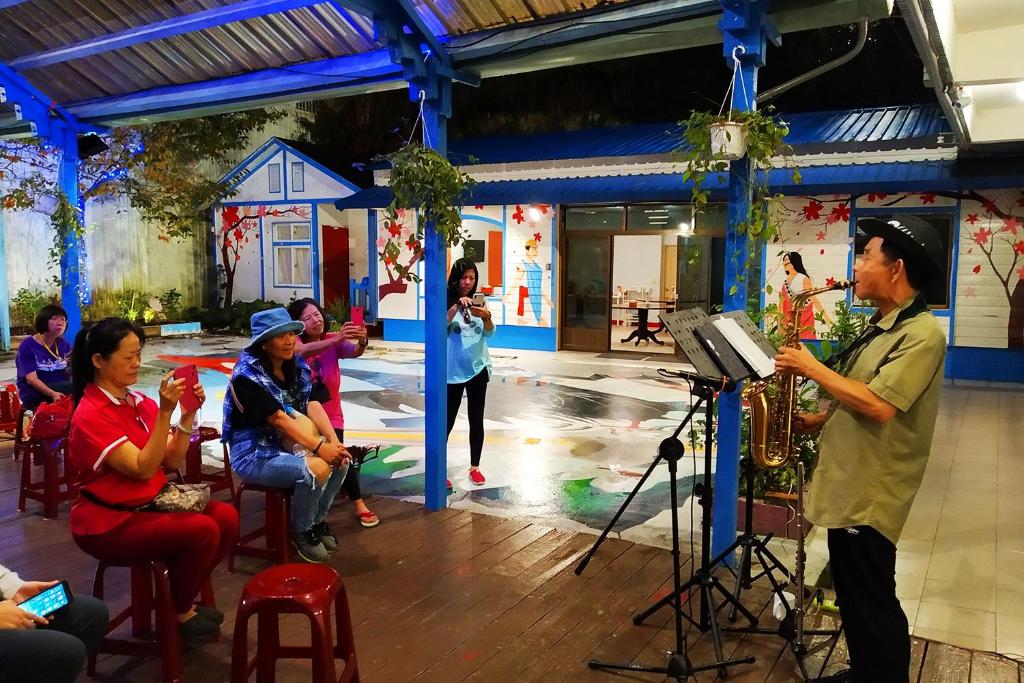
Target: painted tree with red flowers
239, 225
399, 249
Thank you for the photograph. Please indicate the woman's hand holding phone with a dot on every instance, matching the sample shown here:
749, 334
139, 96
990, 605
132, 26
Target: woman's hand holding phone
13, 618
170, 392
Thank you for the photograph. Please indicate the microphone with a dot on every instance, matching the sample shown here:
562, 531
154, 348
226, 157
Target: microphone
722, 383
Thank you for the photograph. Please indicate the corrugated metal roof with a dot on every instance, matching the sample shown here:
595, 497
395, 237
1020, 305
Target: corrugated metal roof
850, 130
282, 40
854, 179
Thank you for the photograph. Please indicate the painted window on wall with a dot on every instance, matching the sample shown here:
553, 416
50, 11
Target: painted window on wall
298, 176
274, 175
293, 255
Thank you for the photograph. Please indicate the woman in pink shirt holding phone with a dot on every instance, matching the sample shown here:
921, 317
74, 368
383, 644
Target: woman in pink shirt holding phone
322, 350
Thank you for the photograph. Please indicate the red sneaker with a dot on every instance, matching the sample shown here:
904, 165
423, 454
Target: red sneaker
477, 477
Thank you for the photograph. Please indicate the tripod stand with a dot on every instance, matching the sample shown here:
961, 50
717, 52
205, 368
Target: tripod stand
751, 545
671, 450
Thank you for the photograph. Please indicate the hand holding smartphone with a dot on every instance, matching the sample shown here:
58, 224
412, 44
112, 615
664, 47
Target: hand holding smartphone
48, 601
189, 401
479, 300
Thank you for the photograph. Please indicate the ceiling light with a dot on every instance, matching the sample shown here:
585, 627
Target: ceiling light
685, 229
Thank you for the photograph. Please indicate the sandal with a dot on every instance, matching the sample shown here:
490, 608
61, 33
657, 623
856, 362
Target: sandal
367, 519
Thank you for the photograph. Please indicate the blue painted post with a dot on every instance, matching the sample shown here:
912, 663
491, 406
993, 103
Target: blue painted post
745, 28
70, 273
435, 126
5, 294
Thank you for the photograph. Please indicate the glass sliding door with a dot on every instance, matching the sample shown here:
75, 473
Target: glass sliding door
585, 299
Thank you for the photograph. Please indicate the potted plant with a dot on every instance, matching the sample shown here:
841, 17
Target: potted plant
709, 142
426, 183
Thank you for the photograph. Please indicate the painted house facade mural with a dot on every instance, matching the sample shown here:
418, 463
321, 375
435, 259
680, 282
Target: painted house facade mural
279, 237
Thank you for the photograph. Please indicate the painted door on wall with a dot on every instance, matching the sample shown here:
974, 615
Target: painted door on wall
335, 258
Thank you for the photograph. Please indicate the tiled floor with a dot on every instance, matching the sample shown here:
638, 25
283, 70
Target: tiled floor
569, 435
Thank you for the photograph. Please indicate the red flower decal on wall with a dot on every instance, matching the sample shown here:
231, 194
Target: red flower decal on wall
990, 206
928, 198
976, 269
820, 235
972, 218
981, 237
812, 211
1010, 224
536, 237
1018, 247
839, 213
830, 281
876, 196
518, 215
394, 229
543, 208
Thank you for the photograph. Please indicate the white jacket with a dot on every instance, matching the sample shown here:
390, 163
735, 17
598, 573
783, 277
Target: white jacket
9, 583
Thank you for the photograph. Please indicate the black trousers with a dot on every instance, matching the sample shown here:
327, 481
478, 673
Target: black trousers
476, 395
351, 484
863, 565
54, 653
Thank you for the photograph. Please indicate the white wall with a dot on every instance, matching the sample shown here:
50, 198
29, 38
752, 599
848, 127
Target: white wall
637, 263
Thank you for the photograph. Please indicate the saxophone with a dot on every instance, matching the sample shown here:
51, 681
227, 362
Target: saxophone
773, 401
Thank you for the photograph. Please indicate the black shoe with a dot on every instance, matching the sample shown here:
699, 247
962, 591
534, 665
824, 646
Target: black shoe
327, 536
210, 614
308, 546
198, 629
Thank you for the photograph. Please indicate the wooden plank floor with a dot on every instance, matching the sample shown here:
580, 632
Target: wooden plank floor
459, 596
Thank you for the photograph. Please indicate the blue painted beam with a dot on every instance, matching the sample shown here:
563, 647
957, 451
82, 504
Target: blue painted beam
745, 30
355, 70
4, 4
197, 21
70, 262
419, 26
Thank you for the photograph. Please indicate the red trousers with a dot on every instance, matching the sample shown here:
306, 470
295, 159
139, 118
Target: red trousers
191, 543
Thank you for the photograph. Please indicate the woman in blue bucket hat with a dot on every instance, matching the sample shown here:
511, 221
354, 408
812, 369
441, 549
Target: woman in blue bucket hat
279, 437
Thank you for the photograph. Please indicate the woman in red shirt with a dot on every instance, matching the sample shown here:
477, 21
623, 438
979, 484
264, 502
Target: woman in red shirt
119, 445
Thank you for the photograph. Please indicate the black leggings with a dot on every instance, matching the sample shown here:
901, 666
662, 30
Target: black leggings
476, 391
351, 484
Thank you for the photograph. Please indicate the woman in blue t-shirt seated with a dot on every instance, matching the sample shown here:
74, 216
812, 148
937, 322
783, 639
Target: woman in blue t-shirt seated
469, 363
42, 360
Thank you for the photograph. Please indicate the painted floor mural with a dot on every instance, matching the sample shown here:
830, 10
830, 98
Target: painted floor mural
568, 435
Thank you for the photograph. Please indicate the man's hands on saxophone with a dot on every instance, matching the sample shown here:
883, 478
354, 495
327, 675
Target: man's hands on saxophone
809, 422
796, 361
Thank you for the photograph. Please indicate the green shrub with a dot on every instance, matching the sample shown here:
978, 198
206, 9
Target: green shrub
171, 302
26, 303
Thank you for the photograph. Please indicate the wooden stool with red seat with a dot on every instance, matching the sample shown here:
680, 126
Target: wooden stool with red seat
277, 519
12, 415
151, 596
194, 463
47, 490
308, 589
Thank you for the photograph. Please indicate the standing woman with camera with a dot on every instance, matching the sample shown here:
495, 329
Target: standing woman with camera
469, 363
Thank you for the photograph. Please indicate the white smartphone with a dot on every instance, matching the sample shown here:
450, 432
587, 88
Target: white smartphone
479, 300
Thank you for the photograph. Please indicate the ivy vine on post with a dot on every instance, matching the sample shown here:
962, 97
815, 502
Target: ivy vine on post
766, 148
66, 220
428, 184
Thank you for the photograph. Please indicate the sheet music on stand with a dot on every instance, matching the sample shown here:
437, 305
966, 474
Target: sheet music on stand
727, 344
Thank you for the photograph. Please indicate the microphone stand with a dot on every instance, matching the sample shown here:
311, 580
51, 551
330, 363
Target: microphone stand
671, 450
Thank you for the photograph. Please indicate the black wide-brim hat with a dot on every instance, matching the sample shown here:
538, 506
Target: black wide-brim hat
916, 238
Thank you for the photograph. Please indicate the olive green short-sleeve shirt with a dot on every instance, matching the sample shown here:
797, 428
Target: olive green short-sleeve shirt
868, 473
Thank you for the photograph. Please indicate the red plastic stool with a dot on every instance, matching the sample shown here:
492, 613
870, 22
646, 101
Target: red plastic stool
194, 463
47, 490
165, 642
294, 589
275, 526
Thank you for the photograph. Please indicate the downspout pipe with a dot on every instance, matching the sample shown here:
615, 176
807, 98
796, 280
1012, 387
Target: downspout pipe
919, 33
862, 36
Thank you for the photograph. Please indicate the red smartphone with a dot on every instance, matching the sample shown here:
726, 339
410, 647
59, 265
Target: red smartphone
189, 400
357, 316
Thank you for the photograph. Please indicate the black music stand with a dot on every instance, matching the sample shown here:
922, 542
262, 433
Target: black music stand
714, 372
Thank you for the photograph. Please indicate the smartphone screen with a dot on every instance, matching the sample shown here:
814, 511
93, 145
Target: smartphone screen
357, 315
48, 601
189, 401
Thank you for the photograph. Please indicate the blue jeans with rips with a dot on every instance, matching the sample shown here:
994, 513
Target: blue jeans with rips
310, 499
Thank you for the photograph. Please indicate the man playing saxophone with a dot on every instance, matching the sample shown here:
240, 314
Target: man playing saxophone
876, 437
